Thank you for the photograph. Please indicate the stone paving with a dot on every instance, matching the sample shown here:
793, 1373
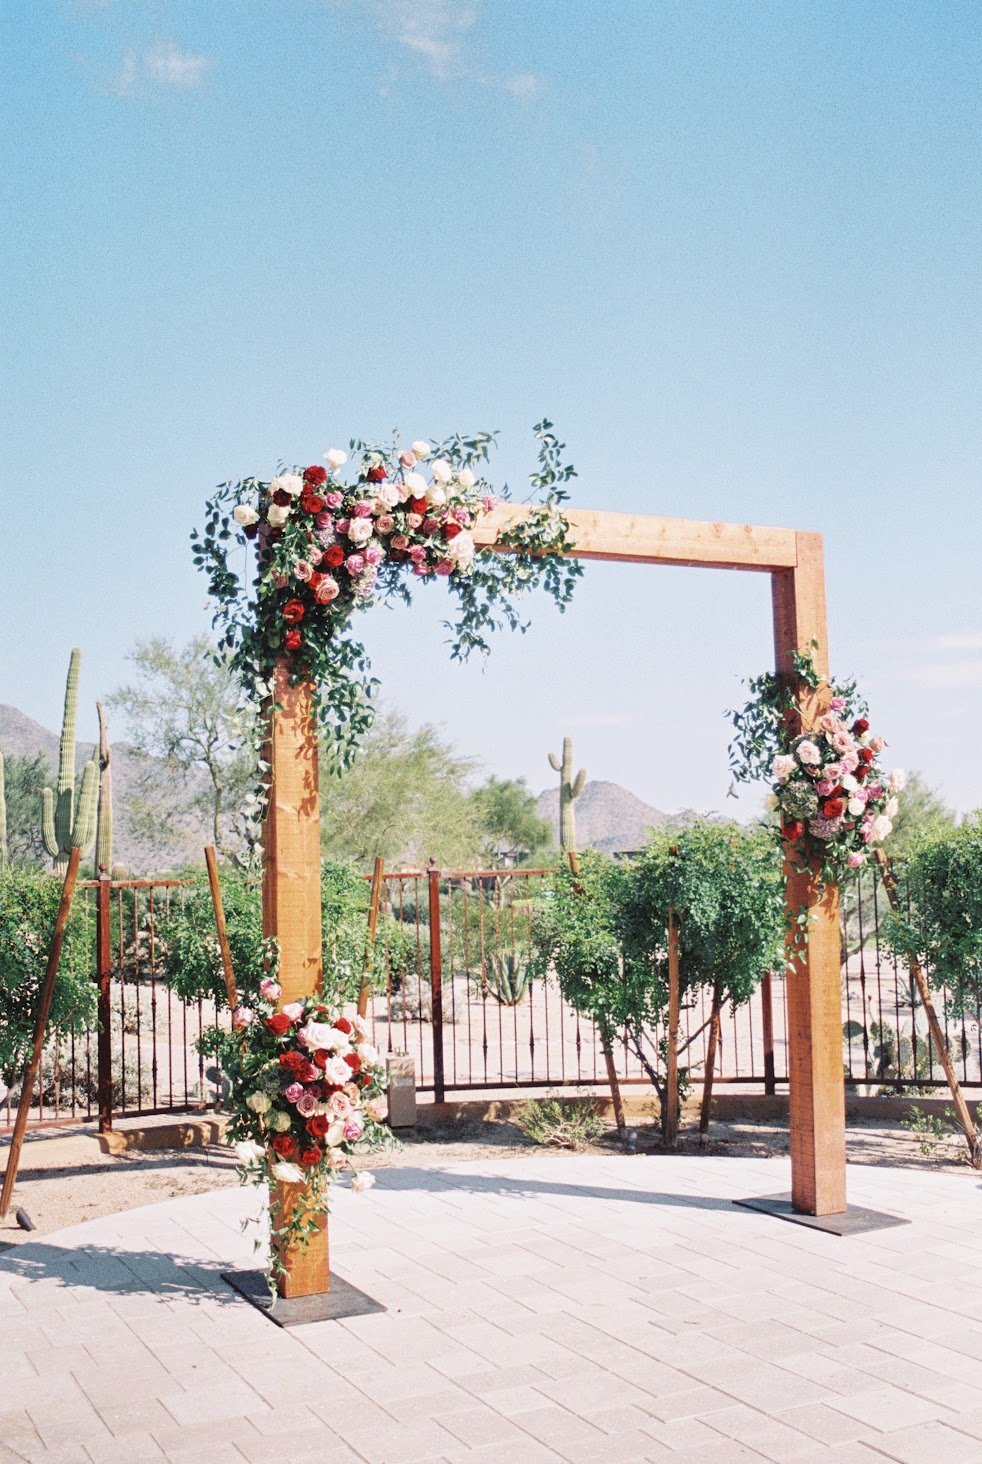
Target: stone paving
576, 1308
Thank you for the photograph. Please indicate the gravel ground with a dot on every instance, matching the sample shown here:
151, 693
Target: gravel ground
65, 1179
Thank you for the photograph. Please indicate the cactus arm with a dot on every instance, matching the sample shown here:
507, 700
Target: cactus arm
83, 834
48, 822
66, 752
554, 763
578, 785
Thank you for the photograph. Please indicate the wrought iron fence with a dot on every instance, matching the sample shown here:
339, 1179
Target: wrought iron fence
459, 999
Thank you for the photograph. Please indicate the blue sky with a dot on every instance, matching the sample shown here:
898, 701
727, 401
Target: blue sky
730, 249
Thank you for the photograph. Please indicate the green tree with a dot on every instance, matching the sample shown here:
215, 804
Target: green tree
940, 921
184, 708
922, 810
509, 820
25, 777
404, 797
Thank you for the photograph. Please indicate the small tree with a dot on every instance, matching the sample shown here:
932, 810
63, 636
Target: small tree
509, 819
25, 777
940, 922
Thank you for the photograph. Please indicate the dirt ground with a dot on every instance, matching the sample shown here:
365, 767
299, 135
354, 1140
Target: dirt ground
65, 1179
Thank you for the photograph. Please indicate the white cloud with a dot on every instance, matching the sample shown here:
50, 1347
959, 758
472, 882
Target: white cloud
943, 674
162, 65
433, 29
524, 84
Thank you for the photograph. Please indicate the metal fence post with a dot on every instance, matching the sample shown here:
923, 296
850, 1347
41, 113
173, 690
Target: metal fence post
767, 1022
104, 1004
436, 984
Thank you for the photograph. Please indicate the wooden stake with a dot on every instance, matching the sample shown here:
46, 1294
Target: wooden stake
378, 874
605, 1043
924, 991
671, 1123
712, 1046
40, 1028
220, 927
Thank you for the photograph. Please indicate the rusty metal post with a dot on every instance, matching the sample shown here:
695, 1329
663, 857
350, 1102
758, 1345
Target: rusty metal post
767, 1021
103, 976
436, 984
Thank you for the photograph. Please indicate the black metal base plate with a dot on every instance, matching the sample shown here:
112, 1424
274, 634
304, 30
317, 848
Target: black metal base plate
852, 1221
343, 1300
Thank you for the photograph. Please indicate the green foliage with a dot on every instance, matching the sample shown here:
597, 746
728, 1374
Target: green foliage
509, 976
940, 922
25, 778
508, 819
184, 708
559, 1123
931, 1130
28, 906
4, 847
192, 961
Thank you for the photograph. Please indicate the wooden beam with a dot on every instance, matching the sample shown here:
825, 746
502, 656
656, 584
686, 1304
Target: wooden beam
292, 912
814, 995
643, 539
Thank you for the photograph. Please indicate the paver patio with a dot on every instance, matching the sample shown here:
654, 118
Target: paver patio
584, 1309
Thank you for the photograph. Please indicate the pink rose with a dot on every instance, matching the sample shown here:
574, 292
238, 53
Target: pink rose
307, 1104
242, 1017
377, 1108
824, 787
837, 704
399, 541
279, 579
293, 1092
418, 553
809, 754
333, 499
303, 569
444, 567
462, 516
354, 1129
431, 526
385, 523
355, 563
293, 1010
363, 509
842, 742
421, 570
327, 590
828, 723
342, 525
876, 744
414, 520
340, 1106
833, 771
269, 989
373, 554
857, 859
849, 762
875, 790
490, 503
407, 458
315, 554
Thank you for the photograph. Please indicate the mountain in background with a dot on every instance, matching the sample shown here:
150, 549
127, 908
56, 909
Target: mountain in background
608, 817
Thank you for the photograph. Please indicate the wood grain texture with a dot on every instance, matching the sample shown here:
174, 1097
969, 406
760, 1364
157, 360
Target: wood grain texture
644, 539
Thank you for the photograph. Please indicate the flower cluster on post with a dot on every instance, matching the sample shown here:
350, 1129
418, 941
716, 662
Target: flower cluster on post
834, 800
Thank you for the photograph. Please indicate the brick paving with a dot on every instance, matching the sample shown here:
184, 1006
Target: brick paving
580, 1309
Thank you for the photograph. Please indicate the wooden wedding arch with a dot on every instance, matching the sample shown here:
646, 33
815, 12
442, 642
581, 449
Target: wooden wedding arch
291, 887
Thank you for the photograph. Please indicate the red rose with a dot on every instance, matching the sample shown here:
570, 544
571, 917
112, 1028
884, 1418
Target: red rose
376, 475
315, 475
343, 1025
318, 1125
860, 726
398, 556
284, 1145
450, 530
353, 1061
320, 1057
418, 505
279, 1024
293, 612
292, 641
251, 530
310, 1157
334, 556
866, 754
793, 830
312, 503
833, 808
282, 498
862, 772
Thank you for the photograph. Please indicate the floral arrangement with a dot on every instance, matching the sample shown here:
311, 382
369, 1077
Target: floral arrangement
307, 1094
833, 799
360, 528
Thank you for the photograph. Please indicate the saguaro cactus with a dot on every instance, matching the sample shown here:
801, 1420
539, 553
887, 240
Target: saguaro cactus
104, 806
570, 789
4, 849
65, 826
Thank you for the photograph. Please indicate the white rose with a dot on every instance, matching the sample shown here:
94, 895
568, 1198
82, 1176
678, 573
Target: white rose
336, 459
897, 781
360, 1025
466, 478
362, 1182
280, 1122
291, 483
389, 494
416, 484
278, 514
335, 1135
360, 530
323, 1035
849, 782
882, 828
856, 807
421, 449
337, 1071
435, 496
247, 1151
258, 1102
461, 549
367, 1053
288, 1173
892, 808
245, 514
442, 471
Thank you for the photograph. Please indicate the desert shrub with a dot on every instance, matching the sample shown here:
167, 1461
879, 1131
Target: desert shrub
559, 1123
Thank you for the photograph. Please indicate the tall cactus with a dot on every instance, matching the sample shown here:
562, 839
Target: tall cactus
65, 826
104, 806
570, 789
4, 847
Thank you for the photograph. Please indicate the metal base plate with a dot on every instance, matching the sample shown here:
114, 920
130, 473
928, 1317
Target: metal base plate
852, 1221
343, 1300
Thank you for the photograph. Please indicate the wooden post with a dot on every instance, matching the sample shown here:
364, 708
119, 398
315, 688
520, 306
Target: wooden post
671, 1123
767, 1022
817, 1102
40, 1029
220, 927
436, 985
924, 991
606, 1047
373, 908
292, 913
104, 1048
712, 1046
